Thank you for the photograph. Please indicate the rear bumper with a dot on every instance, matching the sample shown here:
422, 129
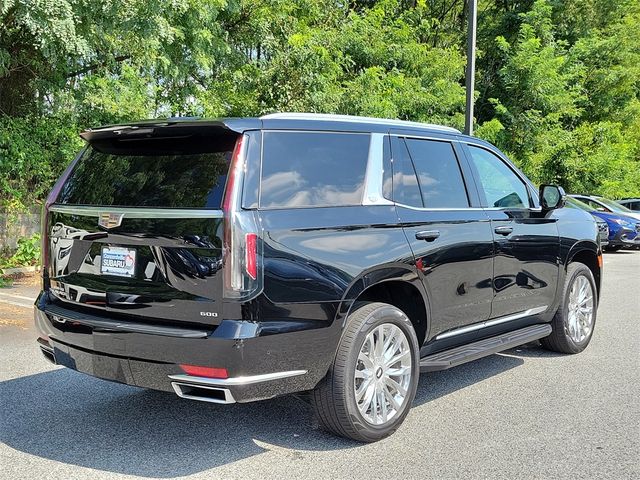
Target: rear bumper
259, 367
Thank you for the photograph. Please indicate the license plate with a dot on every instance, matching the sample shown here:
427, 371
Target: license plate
118, 261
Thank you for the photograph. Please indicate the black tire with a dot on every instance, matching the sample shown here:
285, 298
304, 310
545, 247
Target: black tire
334, 397
613, 248
560, 340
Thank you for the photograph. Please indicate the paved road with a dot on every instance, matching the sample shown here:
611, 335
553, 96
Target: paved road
522, 414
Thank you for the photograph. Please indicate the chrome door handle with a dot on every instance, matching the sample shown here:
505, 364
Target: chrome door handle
503, 230
428, 235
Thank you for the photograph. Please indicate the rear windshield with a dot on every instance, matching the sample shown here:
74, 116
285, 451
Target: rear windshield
144, 177
313, 169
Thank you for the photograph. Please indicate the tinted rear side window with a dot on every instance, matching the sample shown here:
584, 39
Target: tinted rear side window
150, 178
405, 182
313, 169
438, 174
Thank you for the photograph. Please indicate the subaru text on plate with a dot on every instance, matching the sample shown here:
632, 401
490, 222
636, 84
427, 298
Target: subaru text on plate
236, 260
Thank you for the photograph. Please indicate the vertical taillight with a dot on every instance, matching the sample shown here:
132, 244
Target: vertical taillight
242, 246
251, 255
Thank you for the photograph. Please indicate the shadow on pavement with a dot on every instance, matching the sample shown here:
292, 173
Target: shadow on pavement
72, 418
532, 350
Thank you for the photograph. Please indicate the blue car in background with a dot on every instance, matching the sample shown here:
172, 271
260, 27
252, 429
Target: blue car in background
603, 227
624, 229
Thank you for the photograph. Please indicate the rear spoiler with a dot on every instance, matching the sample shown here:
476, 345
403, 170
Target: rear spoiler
169, 128
166, 137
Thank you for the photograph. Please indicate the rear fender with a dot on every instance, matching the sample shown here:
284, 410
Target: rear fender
388, 273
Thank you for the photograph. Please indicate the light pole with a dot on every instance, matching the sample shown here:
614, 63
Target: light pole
471, 65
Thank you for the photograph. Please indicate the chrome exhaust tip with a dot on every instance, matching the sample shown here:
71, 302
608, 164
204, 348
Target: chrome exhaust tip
203, 393
48, 353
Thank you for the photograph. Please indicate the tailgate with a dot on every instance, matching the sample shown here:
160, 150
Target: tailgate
137, 227
166, 268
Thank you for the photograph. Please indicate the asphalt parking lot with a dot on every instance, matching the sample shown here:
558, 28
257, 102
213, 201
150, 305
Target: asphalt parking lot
525, 413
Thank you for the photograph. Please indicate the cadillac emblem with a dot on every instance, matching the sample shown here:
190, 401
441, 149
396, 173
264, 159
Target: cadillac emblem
110, 220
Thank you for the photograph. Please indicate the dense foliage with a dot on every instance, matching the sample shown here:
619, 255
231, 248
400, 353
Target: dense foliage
558, 81
26, 254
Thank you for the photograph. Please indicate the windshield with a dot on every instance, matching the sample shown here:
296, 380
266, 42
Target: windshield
572, 202
615, 206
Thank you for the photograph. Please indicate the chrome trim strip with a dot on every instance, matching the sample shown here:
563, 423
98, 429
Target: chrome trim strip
418, 136
439, 209
355, 119
228, 397
463, 209
136, 212
374, 176
235, 381
492, 322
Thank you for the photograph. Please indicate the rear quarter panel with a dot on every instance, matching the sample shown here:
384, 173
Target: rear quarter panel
325, 255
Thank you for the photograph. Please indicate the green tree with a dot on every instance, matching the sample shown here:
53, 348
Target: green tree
557, 82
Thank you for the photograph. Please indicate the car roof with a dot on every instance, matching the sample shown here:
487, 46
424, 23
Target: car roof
354, 119
279, 121
594, 197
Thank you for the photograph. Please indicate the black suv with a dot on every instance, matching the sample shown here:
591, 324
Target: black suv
240, 259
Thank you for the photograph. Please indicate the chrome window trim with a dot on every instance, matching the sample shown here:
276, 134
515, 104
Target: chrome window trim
374, 176
511, 209
136, 212
422, 137
439, 209
464, 209
235, 381
492, 322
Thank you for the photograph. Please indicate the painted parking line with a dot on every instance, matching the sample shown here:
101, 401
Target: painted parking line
17, 304
13, 295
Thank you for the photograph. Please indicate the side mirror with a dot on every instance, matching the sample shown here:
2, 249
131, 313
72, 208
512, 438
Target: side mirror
551, 197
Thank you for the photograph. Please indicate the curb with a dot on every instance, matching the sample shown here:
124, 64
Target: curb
19, 270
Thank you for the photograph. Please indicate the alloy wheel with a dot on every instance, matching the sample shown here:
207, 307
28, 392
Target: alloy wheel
579, 320
383, 374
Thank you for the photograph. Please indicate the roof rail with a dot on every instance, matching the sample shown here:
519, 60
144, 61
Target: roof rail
353, 118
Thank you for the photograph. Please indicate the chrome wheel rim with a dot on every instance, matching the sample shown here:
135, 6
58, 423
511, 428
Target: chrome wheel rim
383, 374
579, 320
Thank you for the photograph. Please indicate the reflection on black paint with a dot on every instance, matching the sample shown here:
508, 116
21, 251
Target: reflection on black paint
177, 266
187, 180
299, 278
